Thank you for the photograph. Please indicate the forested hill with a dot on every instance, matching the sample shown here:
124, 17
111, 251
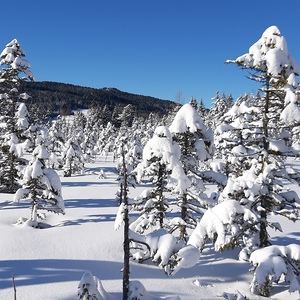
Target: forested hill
60, 98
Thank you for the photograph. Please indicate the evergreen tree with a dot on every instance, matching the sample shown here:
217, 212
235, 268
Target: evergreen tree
202, 111
161, 165
72, 157
262, 185
13, 114
193, 103
41, 187
124, 181
195, 142
221, 104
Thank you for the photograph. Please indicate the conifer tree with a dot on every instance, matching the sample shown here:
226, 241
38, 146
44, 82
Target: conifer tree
72, 157
124, 178
160, 163
264, 140
220, 105
195, 142
41, 187
15, 69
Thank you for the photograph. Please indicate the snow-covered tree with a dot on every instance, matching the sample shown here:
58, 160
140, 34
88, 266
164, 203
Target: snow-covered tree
238, 137
193, 103
160, 252
72, 157
162, 167
262, 186
224, 224
202, 111
15, 69
195, 141
41, 187
57, 140
220, 105
131, 152
123, 214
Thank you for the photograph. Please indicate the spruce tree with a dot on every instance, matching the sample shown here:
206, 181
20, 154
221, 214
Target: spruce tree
15, 69
195, 142
41, 187
160, 163
262, 185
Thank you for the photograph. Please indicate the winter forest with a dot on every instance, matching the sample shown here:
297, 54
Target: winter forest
166, 199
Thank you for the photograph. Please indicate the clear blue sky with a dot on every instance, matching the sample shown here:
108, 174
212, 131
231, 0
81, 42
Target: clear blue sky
154, 47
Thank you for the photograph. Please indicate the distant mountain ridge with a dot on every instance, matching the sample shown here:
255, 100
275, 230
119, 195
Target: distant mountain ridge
61, 98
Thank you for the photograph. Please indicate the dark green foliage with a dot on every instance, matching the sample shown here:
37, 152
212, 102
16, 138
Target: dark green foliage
52, 98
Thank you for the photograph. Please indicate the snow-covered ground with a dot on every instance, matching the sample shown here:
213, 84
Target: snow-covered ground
49, 263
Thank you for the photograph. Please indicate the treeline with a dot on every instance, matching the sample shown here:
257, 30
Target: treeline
49, 99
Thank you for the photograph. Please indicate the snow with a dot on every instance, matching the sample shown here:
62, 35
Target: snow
291, 114
49, 263
40, 152
186, 119
36, 169
269, 53
272, 263
161, 146
217, 224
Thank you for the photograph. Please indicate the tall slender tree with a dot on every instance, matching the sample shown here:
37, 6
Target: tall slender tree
161, 165
262, 184
195, 141
15, 69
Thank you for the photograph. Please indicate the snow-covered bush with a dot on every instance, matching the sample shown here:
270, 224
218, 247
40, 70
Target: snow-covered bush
224, 224
90, 288
234, 296
170, 253
137, 291
275, 263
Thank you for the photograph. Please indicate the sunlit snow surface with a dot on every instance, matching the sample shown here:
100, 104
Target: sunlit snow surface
49, 263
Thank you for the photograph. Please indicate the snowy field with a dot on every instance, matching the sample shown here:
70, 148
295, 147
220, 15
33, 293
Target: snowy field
49, 263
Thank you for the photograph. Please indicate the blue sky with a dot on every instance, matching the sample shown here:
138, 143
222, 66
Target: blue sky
160, 48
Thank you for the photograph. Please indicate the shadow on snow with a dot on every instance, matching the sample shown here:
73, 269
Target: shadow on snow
89, 219
90, 203
44, 271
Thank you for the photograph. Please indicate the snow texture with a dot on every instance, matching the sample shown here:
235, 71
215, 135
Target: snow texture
187, 119
90, 243
270, 54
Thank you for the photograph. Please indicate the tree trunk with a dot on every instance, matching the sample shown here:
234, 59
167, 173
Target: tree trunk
263, 234
182, 228
126, 267
161, 208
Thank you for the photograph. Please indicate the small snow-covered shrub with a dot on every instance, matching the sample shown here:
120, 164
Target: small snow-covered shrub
90, 288
225, 224
234, 296
138, 292
273, 263
163, 248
